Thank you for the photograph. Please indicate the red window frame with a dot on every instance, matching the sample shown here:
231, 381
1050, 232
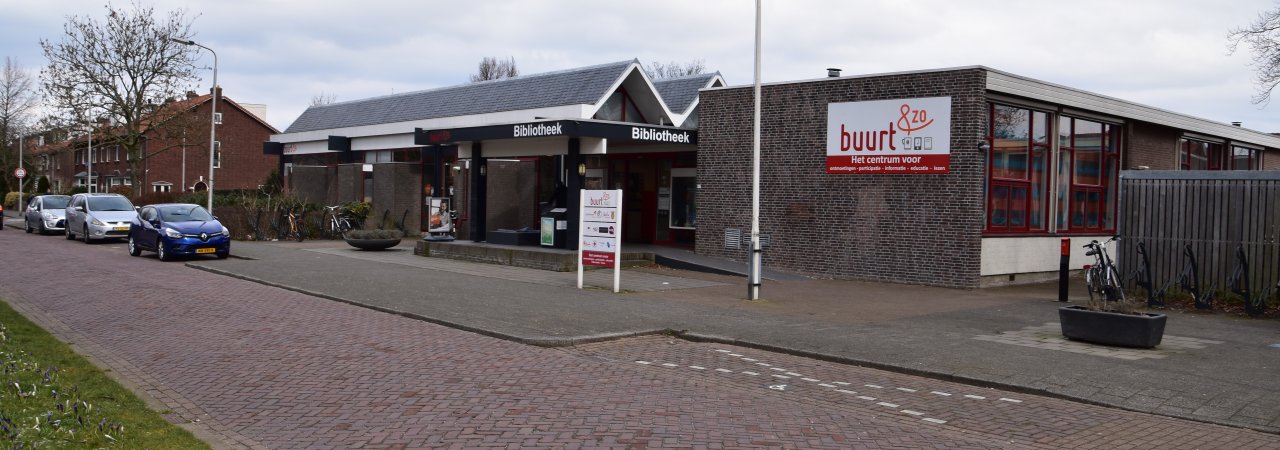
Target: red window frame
1092, 216
1012, 213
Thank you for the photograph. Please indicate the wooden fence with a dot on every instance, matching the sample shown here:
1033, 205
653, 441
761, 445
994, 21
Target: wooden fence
1214, 212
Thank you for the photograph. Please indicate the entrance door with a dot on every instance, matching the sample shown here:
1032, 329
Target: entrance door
638, 180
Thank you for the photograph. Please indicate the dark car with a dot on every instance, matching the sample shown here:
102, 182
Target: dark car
173, 229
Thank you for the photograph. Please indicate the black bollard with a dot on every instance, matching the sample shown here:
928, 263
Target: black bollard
1063, 269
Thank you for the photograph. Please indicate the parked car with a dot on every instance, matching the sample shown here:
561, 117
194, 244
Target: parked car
46, 213
99, 216
172, 229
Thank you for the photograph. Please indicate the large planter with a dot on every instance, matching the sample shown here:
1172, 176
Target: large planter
373, 244
1111, 328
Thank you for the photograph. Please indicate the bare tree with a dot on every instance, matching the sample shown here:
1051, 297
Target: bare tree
493, 69
659, 71
1263, 36
117, 69
17, 98
323, 98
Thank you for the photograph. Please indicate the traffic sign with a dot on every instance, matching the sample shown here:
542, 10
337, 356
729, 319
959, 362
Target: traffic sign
20, 172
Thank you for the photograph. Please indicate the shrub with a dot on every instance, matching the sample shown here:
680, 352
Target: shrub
373, 234
11, 199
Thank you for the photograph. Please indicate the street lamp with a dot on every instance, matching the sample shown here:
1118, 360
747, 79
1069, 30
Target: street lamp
213, 115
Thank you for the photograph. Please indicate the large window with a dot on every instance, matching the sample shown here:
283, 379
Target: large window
620, 107
1019, 143
1202, 155
1021, 159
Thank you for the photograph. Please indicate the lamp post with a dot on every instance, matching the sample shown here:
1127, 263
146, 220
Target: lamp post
88, 177
213, 114
753, 268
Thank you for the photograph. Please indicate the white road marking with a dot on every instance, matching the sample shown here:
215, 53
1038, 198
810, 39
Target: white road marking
669, 365
891, 405
975, 397
724, 370
764, 364
906, 390
749, 359
778, 369
826, 385
750, 373
944, 394
734, 355
811, 380
794, 374
697, 367
930, 419
781, 376
914, 413
870, 399
1010, 400
723, 351
873, 386
643, 362
840, 383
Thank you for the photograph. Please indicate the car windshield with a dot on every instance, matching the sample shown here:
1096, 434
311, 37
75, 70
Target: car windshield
56, 202
109, 204
184, 213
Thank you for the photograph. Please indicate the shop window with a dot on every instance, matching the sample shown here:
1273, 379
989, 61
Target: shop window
684, 199
1019, 156
1087, 201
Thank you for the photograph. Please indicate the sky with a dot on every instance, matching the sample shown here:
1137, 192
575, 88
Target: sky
1170, 54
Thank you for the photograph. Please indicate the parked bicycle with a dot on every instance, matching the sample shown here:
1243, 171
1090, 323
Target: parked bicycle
290, 226
336, 221
1101, 277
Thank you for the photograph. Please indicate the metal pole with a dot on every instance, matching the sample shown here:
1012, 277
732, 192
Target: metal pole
213, 115
89, 155
21, 204
753, 271
184, 161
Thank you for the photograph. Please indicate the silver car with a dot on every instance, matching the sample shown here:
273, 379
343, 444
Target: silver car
46, 213
99, 216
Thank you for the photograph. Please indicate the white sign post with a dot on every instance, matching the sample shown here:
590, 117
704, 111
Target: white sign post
600, 232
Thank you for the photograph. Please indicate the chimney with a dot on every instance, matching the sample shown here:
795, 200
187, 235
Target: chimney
191, 95
833, 72
1237, 123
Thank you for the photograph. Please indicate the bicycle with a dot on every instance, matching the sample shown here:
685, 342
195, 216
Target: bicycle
1101, 278
292, 227
336, 223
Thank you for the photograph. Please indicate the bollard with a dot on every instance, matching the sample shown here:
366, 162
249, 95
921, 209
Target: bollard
1063, 269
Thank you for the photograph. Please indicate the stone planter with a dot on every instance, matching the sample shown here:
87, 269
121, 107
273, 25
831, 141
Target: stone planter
373, 244
1111, 328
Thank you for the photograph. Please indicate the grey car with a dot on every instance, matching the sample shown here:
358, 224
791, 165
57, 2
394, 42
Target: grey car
99, 216
46, 213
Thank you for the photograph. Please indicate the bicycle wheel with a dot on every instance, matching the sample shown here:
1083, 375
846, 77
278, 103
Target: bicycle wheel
1113, 291
1091, 282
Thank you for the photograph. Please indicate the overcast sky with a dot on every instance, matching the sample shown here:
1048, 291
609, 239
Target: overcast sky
1170, 54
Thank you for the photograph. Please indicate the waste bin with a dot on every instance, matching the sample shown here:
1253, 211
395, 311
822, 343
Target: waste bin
554, 228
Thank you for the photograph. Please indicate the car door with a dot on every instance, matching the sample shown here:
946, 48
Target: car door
147, 232
75, 215
32, 215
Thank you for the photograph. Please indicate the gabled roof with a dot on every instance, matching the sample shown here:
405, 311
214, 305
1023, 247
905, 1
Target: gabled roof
581, 86
680, 93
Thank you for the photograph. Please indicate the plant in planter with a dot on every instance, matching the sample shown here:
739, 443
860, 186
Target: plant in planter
1109, 318
372, 239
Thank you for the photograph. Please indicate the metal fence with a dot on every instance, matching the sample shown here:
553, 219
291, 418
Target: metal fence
1228, 222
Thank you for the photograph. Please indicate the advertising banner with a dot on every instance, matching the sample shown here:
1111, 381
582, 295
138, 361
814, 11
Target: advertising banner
904, 136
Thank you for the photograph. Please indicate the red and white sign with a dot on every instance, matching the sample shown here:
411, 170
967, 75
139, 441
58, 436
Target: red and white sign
599, 231
906, 136
20, 173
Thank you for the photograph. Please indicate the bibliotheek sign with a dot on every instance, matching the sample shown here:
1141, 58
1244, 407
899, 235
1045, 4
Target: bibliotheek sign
905, 136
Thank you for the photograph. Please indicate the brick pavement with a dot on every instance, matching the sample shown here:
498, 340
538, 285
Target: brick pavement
277, 369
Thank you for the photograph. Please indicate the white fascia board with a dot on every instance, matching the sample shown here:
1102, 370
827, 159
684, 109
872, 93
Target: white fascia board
634, 68
1007, 83
523, 115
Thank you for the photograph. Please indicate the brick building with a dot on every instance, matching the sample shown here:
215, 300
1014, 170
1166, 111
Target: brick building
177, 152
953, 177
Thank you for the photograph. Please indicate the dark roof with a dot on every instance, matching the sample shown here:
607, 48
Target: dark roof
581, 86
680, 92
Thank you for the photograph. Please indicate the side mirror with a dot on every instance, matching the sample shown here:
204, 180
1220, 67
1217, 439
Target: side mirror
79, 209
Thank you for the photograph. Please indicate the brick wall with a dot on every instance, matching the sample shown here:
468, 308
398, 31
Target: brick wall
396, 189
311, 184
1151, 145
241, 166
350, 184
915, 229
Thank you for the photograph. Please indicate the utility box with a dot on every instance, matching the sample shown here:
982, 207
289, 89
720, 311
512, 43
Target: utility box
554, 228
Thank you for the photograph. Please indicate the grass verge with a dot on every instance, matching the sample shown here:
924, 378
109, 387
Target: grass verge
52, 397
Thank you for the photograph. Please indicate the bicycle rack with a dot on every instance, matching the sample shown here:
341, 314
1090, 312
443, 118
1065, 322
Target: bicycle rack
1239, 284
1142, 277
1189, 279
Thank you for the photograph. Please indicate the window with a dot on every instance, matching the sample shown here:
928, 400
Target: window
1245, 158
1088, 188
620, 107
1195, 154
217, 154
1019, 154
217, 118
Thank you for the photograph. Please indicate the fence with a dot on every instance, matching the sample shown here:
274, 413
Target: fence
1218, 217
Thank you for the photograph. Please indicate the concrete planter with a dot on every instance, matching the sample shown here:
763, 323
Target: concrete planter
1111, 328
373, 244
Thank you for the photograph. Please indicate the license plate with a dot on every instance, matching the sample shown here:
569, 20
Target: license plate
205, 250
120, 229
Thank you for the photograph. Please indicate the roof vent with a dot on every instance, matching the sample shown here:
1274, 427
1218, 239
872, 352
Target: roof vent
1237, 123
833, 72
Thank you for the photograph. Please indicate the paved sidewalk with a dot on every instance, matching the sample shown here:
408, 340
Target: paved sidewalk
1211, 367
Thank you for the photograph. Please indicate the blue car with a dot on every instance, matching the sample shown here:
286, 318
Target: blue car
173, 229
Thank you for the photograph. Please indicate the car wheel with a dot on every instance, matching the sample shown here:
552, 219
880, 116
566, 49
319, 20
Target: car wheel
28, 226
224, 255
161, 252
133, 248
40, 228
85, 234
70, 236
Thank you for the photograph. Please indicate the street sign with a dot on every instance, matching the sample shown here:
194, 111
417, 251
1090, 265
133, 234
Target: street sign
599, 230
20, 173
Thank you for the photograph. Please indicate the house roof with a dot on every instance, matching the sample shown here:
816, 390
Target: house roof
679, 93
580, 86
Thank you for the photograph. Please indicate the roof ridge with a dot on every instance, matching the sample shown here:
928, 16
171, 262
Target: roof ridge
685, 77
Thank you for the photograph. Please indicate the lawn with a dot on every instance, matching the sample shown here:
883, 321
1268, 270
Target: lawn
53, 398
